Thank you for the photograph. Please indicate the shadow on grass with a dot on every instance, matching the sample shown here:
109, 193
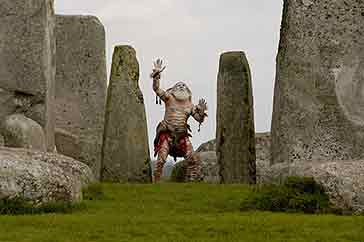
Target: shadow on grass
19, 206
94, 192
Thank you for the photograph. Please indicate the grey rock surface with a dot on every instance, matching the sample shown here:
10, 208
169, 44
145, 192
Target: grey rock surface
263, 152
343, 181
19, 131
27, 69
210, 168
207, 152
318, 102
81, 81
235, 120
208, 146
125, 148
67, 143
40, 177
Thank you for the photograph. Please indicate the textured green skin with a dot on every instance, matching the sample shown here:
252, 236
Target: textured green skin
125, 148
235, 120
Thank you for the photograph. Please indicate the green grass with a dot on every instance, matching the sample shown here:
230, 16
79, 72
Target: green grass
176, 212
22, 207
295, 194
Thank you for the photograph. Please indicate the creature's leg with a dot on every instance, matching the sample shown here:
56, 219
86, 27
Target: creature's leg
162, 157
193, 171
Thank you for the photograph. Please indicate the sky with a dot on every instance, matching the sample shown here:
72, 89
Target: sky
190, 36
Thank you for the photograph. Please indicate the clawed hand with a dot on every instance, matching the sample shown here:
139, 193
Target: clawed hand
202, 104
158, 69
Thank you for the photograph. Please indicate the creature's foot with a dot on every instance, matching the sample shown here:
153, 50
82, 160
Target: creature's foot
156, 179
194, 179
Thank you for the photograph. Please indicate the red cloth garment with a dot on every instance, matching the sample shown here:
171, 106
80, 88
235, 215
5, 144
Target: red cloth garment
179, 150
163, 136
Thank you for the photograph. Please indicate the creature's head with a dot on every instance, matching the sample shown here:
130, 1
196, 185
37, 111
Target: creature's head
180, 91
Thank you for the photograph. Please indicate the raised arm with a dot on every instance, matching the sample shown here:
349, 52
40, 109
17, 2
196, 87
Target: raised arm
199, 112
156, 76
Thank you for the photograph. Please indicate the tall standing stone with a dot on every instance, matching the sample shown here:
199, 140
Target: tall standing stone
235, 120
27, 64
81, 81
319, 93
125, 149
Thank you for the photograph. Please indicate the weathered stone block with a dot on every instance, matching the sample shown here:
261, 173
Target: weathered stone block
125, 148
27, 66
41, 178
210, 166
343, 181
22, 132
81, 81
318, 103
235, 120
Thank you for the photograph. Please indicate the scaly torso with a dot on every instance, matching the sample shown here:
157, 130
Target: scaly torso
176, 116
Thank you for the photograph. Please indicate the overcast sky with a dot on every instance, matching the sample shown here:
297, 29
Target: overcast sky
190, 35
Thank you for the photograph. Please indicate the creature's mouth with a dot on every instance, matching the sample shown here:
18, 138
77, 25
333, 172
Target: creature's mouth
181, 94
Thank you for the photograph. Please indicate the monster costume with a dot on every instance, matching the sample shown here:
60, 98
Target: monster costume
173, 131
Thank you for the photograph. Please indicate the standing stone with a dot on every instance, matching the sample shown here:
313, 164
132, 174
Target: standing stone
235, 120
81, 81
319, 94
262, 149
27, 65
210, 168
125, 148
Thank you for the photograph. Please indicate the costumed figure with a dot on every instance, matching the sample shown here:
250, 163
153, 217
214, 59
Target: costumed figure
173, 132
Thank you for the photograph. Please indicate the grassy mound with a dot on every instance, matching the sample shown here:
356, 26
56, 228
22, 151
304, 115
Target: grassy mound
296, 194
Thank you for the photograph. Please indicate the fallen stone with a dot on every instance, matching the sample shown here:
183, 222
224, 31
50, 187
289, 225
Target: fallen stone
235, 120
209, 160
208, 146
209, 165
318, 102
343, 181
19, 131
80, 88
125, 149
67, 143
27, 69
41, 178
